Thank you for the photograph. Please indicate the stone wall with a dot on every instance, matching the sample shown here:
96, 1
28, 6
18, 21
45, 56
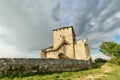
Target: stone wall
22, 66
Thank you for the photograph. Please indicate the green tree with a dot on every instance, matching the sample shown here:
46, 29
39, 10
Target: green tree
110, 49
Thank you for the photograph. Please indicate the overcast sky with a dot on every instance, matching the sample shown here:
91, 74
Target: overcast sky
26, 25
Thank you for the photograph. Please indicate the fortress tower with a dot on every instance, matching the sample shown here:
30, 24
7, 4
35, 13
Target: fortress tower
65, 45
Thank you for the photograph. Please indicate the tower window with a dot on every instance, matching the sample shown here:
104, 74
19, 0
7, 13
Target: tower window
86, 45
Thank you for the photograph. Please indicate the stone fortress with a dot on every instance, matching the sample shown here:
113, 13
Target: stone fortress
66, 46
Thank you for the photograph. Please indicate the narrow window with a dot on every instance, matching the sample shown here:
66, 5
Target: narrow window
85, 44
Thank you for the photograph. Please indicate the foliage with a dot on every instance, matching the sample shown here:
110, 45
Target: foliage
110, 49
115, 61
100, 60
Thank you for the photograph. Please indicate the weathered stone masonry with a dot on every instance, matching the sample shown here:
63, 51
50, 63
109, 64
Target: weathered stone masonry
65, 46
31, 65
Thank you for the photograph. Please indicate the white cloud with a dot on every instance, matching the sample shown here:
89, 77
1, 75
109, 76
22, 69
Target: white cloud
3, 31
11, 51
117, 15
7, 50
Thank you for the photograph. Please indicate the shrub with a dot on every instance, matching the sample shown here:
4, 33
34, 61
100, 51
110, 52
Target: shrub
115, 61
100, 60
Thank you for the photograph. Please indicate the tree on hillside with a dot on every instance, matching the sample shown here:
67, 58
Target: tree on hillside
110, 49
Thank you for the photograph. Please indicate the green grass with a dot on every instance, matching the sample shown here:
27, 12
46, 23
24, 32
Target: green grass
106, 72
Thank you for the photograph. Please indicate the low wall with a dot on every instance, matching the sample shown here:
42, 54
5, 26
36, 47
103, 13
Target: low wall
21, 66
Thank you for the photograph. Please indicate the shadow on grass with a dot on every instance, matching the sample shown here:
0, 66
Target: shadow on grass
98, 64
9, 76
24, 75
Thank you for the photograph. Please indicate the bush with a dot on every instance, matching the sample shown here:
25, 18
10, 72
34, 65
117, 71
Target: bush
100, 60
115, 61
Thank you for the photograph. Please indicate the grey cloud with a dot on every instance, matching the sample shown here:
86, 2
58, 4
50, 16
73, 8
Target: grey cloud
30, 22
56, 12
97, 12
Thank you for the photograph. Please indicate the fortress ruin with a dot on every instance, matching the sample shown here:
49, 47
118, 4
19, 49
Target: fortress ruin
66, 46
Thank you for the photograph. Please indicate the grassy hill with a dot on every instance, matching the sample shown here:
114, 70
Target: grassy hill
106, 71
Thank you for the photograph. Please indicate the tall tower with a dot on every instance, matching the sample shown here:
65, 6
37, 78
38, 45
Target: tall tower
67, 35
82, 50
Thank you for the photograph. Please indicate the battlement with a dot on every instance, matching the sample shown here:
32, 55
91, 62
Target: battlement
83, 41
63, 28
